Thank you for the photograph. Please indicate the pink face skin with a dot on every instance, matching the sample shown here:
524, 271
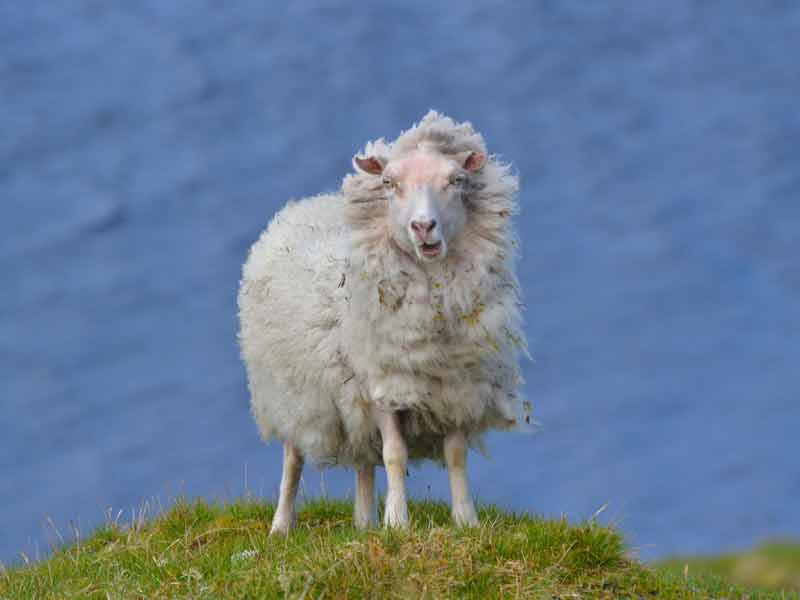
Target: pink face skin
425, 191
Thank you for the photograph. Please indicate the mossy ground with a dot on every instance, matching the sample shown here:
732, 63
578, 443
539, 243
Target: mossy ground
198, 550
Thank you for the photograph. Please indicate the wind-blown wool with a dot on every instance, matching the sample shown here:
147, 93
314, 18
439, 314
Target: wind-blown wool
336, 318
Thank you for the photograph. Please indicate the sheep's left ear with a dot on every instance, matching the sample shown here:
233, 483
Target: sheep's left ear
472, 161
368, 164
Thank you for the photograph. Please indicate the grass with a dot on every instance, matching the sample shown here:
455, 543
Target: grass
200, 550
772, 565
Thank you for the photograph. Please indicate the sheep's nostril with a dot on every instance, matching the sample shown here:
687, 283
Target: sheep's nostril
423, 226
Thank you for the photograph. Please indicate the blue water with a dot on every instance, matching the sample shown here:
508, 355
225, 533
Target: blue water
143, 146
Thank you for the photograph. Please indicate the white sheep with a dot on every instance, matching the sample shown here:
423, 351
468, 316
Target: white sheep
381, 324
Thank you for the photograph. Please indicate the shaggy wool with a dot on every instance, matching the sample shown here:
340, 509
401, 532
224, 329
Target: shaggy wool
336, 319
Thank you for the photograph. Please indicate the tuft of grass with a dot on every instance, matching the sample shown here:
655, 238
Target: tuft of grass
772, 565
201, 550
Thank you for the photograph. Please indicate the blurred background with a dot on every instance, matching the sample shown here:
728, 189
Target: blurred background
145, 145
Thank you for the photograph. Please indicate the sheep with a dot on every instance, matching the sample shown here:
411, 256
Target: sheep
381, 324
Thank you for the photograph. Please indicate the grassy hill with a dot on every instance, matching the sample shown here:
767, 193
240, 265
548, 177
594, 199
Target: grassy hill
197, 550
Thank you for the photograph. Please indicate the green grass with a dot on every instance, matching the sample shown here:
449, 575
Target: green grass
198, 550
772, 565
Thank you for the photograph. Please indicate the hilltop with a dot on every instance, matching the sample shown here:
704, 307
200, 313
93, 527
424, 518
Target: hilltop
200, 550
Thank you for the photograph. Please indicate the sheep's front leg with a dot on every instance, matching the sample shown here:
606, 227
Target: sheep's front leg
455, 455
285, 514
395, 457
364, 514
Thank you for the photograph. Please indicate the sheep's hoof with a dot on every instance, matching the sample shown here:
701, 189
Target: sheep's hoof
395, 517
395, 523
281, 525
279, 530
363, 522
395, 514
465, 516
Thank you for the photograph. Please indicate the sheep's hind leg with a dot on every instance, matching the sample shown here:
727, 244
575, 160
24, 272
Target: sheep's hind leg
455, 455
395, 457
364, 514
292, 468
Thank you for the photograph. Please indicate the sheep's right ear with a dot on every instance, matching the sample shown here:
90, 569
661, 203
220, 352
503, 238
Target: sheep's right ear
369, 164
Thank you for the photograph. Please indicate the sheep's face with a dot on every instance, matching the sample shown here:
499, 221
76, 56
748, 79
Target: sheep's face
426, 198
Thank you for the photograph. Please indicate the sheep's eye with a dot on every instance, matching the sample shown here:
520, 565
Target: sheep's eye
388, 182
458, 179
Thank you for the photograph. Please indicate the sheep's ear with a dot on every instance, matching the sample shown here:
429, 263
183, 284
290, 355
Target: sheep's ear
472, 161
368, 164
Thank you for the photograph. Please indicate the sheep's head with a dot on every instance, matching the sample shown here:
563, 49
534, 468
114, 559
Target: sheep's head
425, 190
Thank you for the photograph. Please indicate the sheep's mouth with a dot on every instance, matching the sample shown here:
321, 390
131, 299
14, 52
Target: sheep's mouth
431, 250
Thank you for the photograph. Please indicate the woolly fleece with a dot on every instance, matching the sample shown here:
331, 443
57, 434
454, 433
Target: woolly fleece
336, 319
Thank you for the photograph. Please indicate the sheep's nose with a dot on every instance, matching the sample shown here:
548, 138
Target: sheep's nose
422, 227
